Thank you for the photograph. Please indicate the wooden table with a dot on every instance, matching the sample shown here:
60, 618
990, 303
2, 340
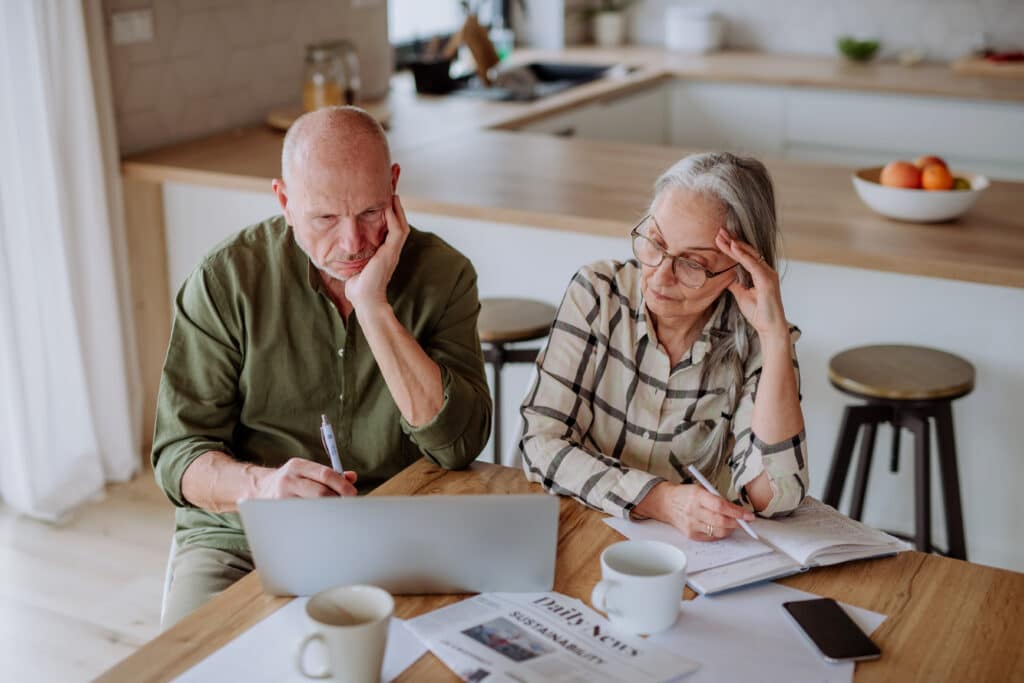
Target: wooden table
947, 619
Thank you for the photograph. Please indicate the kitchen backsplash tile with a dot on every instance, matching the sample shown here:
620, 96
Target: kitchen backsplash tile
213, 64
943, 29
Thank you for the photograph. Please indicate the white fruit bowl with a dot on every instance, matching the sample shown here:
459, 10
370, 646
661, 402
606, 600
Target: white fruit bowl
918, 206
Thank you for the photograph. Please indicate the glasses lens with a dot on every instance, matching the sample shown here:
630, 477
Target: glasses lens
690, 274
646, 252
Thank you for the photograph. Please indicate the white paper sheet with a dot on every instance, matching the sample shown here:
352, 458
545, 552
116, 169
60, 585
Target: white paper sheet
266, 652
700, 555
744, 635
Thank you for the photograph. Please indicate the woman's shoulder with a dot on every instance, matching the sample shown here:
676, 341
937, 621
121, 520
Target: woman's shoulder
609, 277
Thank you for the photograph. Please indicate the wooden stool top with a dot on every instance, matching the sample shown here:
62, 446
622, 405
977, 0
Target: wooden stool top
901, 373
514, 320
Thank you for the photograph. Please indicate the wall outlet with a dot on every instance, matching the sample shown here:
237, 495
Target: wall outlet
133, 26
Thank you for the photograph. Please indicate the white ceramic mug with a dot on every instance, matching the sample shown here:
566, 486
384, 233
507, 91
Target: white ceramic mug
351, 625
641, 585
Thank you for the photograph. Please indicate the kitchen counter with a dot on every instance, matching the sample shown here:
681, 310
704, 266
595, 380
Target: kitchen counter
458, 159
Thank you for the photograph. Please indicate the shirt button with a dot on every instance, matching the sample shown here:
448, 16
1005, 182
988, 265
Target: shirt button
341, 397
341, 352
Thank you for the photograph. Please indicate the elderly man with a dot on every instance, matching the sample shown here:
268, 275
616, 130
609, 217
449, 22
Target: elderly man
337, 307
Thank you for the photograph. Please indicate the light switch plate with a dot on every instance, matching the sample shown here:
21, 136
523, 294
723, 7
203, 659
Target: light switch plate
133, 26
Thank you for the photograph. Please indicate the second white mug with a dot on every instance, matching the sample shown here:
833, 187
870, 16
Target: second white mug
641, 585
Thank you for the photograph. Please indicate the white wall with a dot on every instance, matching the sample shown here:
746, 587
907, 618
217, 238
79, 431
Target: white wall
835, 307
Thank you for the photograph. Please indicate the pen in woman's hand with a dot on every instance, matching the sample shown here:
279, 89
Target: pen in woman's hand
711, 489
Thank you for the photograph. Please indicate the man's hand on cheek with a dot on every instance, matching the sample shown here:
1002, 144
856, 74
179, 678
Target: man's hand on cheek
369, 287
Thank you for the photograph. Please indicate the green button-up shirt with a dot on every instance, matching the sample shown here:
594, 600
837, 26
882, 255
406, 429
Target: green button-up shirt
258, 351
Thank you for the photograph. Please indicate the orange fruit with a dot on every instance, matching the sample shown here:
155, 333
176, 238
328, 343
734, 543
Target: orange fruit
901, 174
925, 160
936, 177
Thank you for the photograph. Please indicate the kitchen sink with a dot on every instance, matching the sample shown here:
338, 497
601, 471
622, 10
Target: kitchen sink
535, 80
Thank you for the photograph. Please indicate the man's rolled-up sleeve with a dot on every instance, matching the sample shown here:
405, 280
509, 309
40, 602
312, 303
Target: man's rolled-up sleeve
459, 431
197, 405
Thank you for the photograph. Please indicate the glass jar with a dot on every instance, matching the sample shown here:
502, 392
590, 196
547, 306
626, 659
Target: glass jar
332, 75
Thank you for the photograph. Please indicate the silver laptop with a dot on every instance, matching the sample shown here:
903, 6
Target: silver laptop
404, 544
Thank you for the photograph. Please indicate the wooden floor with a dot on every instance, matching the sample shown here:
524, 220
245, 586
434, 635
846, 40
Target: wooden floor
76, 598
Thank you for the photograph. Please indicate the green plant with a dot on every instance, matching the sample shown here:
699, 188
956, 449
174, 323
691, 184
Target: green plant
857, 49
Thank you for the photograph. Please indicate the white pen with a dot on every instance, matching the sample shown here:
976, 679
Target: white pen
330, 445
707, 485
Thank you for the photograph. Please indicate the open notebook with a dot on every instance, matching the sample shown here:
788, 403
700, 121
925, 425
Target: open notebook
814, 535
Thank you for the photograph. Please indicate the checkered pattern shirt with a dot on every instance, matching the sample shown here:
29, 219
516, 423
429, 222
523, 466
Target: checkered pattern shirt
607, 417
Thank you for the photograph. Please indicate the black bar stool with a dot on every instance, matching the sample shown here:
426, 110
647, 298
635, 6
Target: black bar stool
507, 321
908, 387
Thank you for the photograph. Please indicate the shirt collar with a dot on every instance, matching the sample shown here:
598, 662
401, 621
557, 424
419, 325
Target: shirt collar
714, 329
313, 278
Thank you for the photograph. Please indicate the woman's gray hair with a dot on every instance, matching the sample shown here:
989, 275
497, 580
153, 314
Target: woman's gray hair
744, 189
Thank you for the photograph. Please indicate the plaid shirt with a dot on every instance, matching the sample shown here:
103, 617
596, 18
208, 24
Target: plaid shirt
607, 418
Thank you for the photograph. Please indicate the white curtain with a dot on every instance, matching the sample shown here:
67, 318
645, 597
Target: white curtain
69, 412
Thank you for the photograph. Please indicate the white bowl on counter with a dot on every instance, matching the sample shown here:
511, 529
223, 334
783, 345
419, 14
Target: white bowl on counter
918, 206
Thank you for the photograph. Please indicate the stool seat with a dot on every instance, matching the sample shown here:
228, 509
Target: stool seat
911, 388
504, 321
901, 373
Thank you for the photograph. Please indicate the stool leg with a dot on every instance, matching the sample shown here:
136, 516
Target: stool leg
921, 428
860, 484
950, 481
841, 456
894, 458
498, 363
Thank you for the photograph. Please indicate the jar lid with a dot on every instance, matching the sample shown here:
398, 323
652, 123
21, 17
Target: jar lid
327, 50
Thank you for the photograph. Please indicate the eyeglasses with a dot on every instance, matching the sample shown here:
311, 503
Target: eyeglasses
650, 253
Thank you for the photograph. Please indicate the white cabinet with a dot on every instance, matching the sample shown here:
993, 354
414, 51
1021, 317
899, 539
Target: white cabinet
848, 127
639, 118
744, 119
810, 124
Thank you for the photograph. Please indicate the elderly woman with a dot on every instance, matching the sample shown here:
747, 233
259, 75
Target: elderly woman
682, 356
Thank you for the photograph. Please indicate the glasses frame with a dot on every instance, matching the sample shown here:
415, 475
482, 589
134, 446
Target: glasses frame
708, 274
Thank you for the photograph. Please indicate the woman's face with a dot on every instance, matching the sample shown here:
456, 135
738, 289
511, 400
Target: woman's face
684, 223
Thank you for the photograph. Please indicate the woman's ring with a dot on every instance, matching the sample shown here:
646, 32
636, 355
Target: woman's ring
711, 530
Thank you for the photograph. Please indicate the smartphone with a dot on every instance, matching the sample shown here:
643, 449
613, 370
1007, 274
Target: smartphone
831, 630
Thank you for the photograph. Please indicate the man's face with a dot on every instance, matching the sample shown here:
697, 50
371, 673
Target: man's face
337, 210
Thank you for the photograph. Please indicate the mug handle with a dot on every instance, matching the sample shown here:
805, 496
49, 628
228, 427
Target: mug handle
599, 597
300, 657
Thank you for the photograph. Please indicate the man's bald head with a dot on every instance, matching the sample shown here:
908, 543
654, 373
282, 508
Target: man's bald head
335, 136
337, 184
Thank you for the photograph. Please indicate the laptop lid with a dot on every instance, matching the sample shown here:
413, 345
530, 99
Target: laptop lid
404, 544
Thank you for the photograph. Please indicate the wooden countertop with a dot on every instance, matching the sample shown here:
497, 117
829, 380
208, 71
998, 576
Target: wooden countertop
457, 160
603, 188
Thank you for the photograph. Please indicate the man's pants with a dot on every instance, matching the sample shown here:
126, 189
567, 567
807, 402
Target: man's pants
197, 574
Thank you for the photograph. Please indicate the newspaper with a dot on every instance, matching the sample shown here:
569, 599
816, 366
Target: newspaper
525, 637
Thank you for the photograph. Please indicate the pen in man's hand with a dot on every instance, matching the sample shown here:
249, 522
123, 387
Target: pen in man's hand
711, 489
330, 445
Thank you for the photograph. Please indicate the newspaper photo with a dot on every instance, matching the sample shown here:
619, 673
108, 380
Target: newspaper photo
528, 637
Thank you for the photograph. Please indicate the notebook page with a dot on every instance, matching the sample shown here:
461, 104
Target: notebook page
700, 555
815, 527
751, 570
